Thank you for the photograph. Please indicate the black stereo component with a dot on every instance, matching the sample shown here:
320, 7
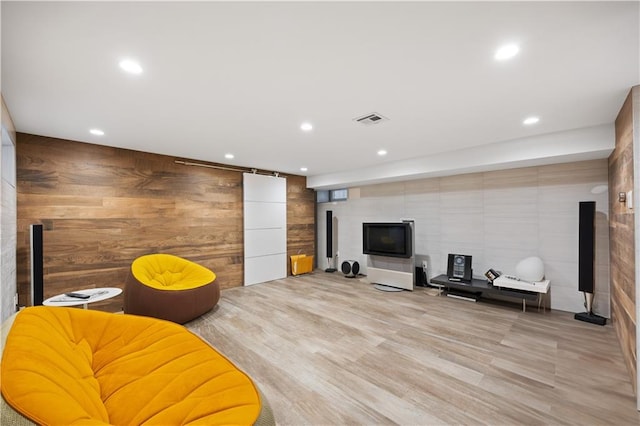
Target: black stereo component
459, 267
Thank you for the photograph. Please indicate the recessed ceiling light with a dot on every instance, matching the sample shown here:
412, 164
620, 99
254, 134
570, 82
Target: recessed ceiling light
229, 156
131, 66
530, 120
306, 127
507, 51
96, 132
303, 169
382, 152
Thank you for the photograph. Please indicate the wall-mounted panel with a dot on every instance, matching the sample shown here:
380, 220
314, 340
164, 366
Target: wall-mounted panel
262, 188
264, 242
265, 268
262, 215
265, 228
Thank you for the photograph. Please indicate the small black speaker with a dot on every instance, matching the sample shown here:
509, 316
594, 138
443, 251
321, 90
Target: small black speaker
586, 246
350, 268
37, 265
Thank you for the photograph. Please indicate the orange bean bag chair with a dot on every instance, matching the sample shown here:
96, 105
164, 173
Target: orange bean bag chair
66, 366
169, 287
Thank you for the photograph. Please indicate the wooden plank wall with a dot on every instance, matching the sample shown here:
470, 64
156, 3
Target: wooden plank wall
301, 223
621, 239
102, 207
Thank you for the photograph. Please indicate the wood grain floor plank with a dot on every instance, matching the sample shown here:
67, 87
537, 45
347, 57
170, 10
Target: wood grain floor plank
328, 350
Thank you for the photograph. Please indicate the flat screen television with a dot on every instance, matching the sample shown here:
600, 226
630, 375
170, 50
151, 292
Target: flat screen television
387, 239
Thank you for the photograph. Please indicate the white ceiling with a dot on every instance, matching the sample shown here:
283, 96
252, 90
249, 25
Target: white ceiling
240, 77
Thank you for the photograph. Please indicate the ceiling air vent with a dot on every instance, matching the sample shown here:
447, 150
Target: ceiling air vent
370, 119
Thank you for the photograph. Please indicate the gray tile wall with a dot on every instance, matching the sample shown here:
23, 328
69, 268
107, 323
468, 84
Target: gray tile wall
7, 226
498, 217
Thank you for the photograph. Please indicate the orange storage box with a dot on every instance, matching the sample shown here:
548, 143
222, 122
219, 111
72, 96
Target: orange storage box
301, 264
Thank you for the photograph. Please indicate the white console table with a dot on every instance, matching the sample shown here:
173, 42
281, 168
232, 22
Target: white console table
539, 287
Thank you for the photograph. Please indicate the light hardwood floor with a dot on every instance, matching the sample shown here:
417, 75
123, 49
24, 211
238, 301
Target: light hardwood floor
329, 350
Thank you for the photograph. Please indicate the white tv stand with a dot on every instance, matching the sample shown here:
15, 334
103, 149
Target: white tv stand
391, 277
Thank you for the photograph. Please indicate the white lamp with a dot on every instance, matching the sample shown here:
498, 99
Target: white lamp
530, 269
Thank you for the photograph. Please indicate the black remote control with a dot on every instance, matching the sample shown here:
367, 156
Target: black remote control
78, 295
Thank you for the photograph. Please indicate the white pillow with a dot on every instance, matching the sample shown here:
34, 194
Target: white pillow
530, 269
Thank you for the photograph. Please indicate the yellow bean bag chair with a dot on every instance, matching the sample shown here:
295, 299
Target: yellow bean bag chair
66, 366
169, 287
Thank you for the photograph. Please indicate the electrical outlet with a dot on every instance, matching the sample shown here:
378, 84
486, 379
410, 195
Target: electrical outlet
424, 264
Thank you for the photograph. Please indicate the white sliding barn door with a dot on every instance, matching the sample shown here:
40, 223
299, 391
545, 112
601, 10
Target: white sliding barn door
265, 228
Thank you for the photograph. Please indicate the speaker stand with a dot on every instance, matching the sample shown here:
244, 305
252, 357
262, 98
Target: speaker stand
386, 288
330, 269
589, 316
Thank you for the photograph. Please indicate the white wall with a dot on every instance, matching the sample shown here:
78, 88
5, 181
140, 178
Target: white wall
498, 217
8, 225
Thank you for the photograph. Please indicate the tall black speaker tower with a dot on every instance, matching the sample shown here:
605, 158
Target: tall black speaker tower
586, 260
330, 242
37, 265
586, 246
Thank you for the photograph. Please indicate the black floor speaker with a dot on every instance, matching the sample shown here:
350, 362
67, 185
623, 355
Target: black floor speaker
586, 260
329, 234
37, 265
330, 241
586, 246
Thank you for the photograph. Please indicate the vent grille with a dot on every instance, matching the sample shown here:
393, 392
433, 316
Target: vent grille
372, 118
